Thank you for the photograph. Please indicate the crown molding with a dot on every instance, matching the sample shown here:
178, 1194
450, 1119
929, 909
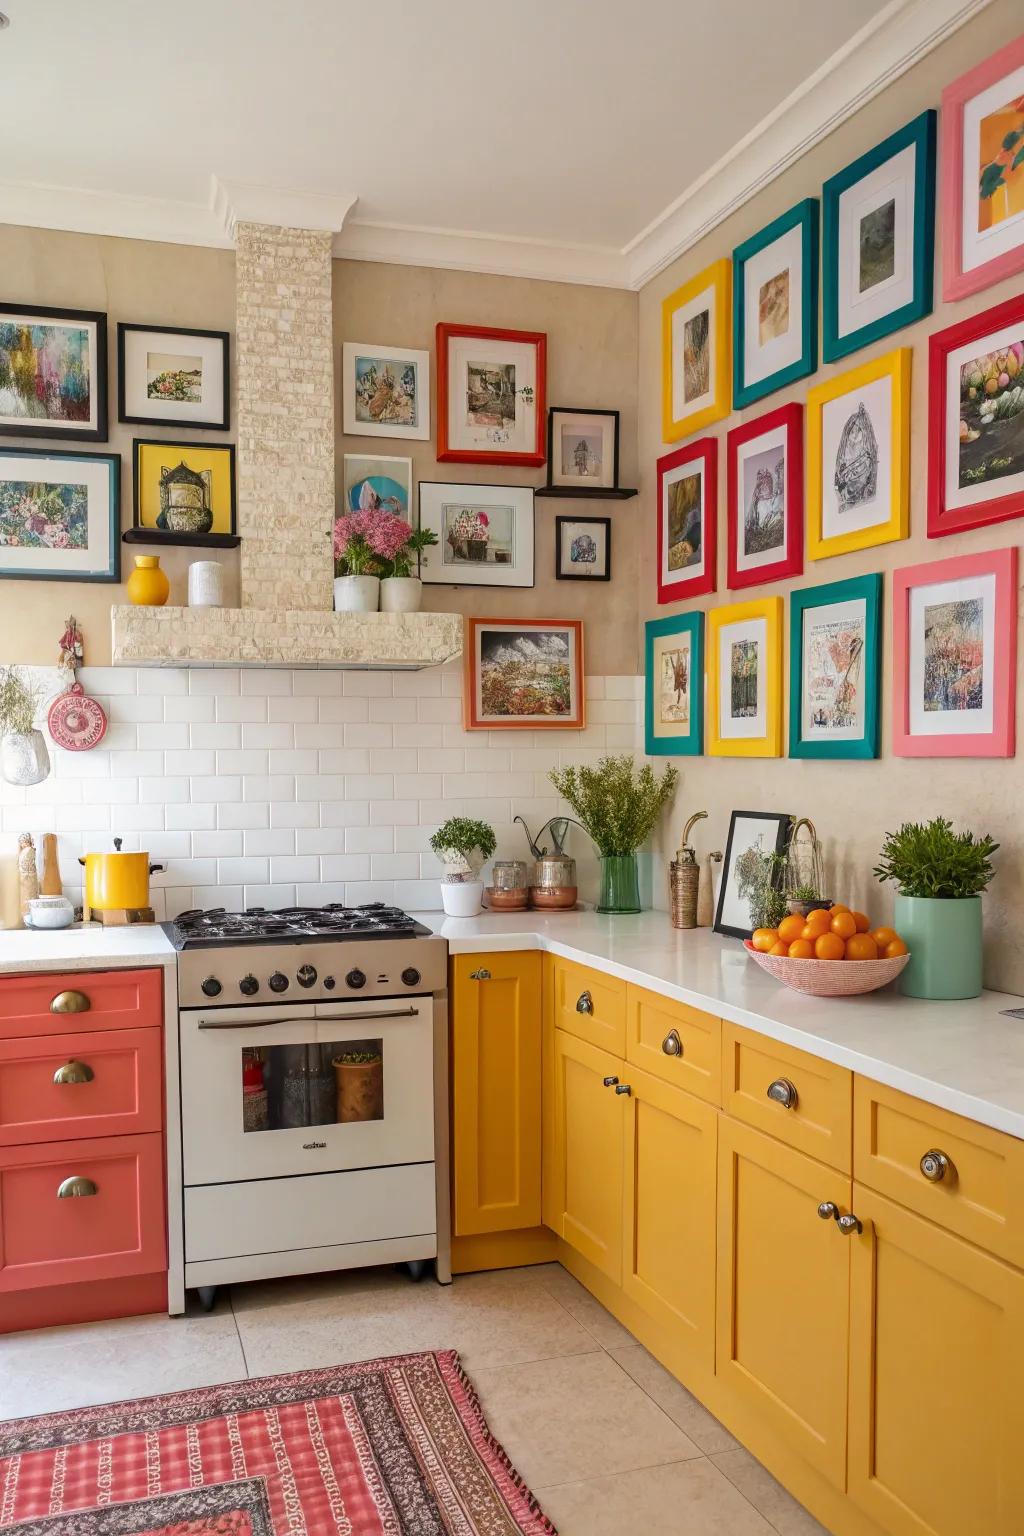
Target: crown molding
474, 251
248, 202
43, 206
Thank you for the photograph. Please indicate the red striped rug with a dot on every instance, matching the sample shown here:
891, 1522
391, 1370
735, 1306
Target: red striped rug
395, 1447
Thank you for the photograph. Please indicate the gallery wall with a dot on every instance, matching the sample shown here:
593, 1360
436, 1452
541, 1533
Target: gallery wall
852, 803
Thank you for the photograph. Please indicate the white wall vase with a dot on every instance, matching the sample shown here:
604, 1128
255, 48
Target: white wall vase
356, 594
206, 584
401, 594
24, 759
462, 898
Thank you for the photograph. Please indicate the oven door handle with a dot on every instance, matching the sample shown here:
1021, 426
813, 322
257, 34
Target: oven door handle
337, 1018
366, 1018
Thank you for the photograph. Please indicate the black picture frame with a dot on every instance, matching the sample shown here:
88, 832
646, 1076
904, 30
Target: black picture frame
562, 575
783, 821
580, 410
95, 317
224, 337
141, 533
112, 573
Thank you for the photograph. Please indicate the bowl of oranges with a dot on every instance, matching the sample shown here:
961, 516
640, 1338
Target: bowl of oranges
831, 952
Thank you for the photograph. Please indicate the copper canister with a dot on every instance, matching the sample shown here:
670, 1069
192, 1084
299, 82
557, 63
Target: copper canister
554, 884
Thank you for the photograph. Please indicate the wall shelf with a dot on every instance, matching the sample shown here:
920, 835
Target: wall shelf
189, 540
584, 493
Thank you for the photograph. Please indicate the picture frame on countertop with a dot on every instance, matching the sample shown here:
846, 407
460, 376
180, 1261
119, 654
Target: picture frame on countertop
385, 391
583, 450
377, 482
583, 549
835, 659
765, 498
53, 372
775, 305
60, 515
491, 395
744, 679
753, 837
169, 376
185, 489
524, 675
674, 685
696, 355
688, 521
485, 534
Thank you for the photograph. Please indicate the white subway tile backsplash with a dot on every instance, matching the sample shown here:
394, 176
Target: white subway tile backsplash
135, 764
190, 710
217, 788
270, 787
244, 871
345, 866
163, 791
266, 736
626, 687
368, 840
293, 760
141, 818
341, 760
401, 710
292, 867
369, 685
247, 815
245, 760
109, 792
371, 734
173, 738
299, 814
109, 681
448, 710
395, 813
262, 840
193, 762
219, 845
220, 737
221, 681
318, 893
162, 681
144, 709
242, 711
265, 681
83, 765
191, 818
276, 895
281, 710
316, 682
394, 866
320, 840
346, 710
345, 813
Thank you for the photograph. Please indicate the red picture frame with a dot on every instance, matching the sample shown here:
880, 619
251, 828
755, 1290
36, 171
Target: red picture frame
705, 453
788, 419
943, 520
475, 719
446, 454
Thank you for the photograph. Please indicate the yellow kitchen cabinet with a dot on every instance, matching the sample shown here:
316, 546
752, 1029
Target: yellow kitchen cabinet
936, 1366
584, 1204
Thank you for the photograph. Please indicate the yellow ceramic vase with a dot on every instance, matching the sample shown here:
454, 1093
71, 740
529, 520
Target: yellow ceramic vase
148, 586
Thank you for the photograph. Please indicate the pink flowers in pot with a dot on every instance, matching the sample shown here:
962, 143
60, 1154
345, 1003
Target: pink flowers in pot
374, 542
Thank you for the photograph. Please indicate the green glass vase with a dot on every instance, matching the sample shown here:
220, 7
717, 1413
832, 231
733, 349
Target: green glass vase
620, 886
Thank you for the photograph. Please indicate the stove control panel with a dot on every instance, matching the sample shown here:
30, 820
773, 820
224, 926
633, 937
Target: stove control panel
258, 973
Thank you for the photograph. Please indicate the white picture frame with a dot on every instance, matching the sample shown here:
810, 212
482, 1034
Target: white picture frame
485, 534
410, 393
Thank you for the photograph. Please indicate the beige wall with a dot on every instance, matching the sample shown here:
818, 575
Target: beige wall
851, 803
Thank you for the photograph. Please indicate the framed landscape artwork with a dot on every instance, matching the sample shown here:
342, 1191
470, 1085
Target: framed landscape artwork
524, 675
583, 449
754, 836
976, 420
775, 305
858, 457
744, 667
60, 515
53, 373
169, 377
377, 483
491, 395
834, 667
983, 174
955, 657
184, 488
674, 686
696, 362
878, 240
484, 534
765, 500
385, 391
583, 548
687, 519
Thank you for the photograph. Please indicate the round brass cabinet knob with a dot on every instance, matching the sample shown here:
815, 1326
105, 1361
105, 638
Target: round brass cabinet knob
936, 1166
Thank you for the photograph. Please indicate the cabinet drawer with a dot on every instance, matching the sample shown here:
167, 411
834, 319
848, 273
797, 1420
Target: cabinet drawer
118, 1230
100, 1083
674, 1042
590, 1005
114, 1000
817, 1121
980, 1194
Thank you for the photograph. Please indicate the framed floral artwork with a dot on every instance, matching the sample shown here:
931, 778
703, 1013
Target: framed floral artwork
696, 363
583, 548
858, 457
60, 515
744, 669
524, 674
765, 498
484, 534
185, 489
976, 420
53, 372
687, 518
983, 174
834, 667
491, 394
754, 837
385, 391
775, 305
878, 240
583, 450
170, 377
674, 686
955, 656
377, 482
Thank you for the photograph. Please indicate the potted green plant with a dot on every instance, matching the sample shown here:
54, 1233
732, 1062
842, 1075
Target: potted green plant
940, 875
24, 759
462, 845
618, 807
401, 590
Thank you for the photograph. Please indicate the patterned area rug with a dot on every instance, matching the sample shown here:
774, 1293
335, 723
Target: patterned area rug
395, 1447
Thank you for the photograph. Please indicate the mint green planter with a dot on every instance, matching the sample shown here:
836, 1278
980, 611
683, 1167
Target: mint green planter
944, 940
620, 886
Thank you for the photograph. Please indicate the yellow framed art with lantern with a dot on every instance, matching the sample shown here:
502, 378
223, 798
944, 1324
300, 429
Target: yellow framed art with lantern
744, 666
696, 352
184, 489
858, 457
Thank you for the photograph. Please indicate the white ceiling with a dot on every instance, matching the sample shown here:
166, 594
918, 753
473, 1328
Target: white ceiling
547, 123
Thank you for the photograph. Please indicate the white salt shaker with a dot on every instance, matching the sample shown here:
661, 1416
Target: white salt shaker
206, 584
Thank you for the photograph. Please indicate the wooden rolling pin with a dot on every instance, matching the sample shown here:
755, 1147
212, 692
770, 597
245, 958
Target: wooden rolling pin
50, 883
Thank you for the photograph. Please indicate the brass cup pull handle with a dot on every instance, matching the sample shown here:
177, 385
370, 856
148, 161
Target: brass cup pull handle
610, 1082
672, 1045
849, 1224
481, 975
783, 1092
623, 1088
74, 1072
70, 1002
584, 1003
76, 1188
935, 1166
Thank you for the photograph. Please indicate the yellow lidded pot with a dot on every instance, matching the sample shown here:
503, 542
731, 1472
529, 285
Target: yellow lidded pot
117, 880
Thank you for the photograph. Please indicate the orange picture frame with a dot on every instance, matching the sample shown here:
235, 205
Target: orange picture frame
524, 674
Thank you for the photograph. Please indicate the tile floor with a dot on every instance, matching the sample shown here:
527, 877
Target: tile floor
606, 1438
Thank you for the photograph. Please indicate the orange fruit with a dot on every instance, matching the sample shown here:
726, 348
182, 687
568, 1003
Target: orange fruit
791, 928
844, 924
838, 906
895, 947
863, 922
817, 922
883, 936
801, 949
764, 938
778, 948
829, 946
861, 946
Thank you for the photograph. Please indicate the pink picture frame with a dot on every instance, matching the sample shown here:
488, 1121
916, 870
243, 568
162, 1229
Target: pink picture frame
910, 661
957, 280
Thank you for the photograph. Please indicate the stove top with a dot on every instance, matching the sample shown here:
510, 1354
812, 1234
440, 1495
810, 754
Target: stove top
217, 927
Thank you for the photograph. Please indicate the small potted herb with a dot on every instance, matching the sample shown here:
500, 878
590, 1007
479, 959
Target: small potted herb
24, 759
462, 846
940, 876
618, 807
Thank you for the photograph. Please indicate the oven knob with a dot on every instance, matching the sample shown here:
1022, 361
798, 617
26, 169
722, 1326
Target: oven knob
410, 976
249, 985
355, 979
278, 982
330, 983
212, 987
306, 975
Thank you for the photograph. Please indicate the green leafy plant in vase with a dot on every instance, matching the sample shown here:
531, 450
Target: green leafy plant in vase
24, 759
618, 807
463, 845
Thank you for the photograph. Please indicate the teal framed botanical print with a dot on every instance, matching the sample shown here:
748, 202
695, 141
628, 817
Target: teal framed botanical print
775, 305
674, 686
878, 240
834, 667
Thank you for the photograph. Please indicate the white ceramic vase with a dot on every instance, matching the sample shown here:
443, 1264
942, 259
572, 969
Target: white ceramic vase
462, 898
24, 759
401, 594
356, 594
206, 584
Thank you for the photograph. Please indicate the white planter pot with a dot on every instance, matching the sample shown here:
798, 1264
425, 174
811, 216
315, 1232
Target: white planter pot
356, 594
462, 898
24, 759
401, 594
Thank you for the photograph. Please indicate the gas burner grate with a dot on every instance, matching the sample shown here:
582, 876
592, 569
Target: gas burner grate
198, 928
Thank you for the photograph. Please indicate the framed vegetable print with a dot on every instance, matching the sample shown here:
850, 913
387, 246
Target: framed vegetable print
491, 394
983, 174
687, 517
765, 498
60, 515
775, 305
744, 667
696, 364
976, 420
385, 390
878, 241
524, 674
858, 457
674, 686
834, 666
754, 836
53, 372
955, 656
170, 377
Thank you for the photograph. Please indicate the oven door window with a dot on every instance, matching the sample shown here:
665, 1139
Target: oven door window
284, 1087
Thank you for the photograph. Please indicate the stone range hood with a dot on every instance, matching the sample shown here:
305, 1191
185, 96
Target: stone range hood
285, 493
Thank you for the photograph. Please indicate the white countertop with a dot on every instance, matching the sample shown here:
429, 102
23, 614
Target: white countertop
89, 948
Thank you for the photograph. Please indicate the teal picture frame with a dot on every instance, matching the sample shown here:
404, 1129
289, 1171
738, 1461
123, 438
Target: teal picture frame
692, 744
804, 215
869, 590
919, 134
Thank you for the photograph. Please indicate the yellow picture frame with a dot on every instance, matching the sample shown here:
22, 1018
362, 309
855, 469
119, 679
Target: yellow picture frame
184, 489
821, 544
679, 311
741, 616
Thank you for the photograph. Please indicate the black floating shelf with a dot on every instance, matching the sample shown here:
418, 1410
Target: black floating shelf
190, 540
584, 493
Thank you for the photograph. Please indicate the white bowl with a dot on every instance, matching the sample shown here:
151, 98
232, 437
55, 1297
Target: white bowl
50, 912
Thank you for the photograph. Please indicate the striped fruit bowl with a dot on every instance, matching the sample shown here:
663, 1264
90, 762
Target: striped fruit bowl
829, 978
